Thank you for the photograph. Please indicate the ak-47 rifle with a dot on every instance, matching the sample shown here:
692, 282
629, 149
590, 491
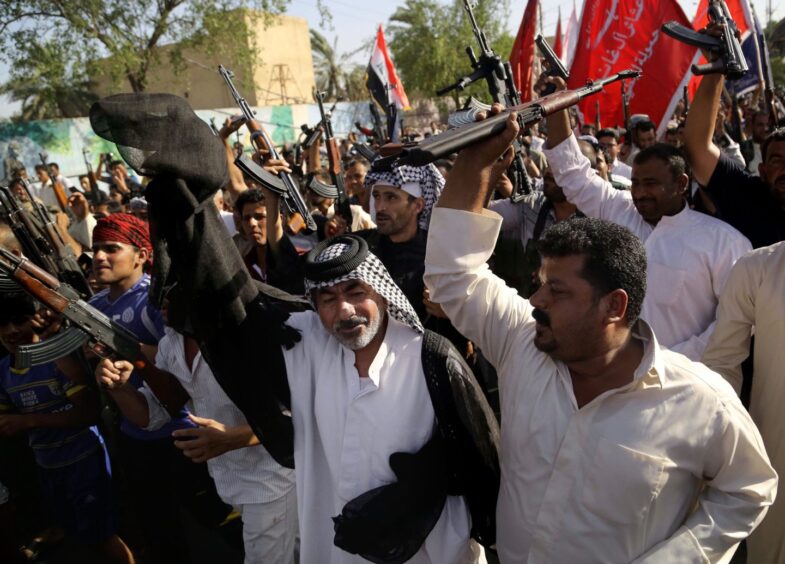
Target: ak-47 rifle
453, 140
378, 126
34, 245
335, 169
87, 325
261, 141
501, 86
313, 137
51, 243
730, 60
95, 196
62, 199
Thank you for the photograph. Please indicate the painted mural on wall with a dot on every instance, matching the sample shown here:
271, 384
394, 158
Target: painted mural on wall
65, 140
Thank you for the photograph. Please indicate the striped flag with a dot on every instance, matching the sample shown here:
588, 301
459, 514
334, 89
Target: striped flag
381, 79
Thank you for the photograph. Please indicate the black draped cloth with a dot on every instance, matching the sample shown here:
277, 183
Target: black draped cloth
240, 326
196, 266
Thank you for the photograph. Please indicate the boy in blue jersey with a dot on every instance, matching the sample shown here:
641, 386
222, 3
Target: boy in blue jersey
161, 479
56, 411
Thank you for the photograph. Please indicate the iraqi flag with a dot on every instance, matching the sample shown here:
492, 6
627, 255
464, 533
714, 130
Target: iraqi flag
381, 79
625, 34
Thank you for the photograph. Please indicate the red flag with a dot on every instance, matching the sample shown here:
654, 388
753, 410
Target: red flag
625, 34
558, 44
522, 56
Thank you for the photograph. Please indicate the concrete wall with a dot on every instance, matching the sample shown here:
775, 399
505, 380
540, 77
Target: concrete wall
285, 75
283, 49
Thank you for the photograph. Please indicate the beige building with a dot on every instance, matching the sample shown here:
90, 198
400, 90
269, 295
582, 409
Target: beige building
283, 74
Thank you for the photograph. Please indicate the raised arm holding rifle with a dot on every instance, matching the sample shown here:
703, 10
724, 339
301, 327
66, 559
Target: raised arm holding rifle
263, 144
335, 168
753, 205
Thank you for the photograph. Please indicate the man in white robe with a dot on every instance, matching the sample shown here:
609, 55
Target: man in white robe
754, 301
359, 394
689, 253
613, 449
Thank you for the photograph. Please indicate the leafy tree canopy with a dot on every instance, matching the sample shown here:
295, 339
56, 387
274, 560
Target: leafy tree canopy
428, 40
61, 39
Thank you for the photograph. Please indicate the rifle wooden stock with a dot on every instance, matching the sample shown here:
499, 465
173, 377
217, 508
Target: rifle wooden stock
62, 199
333, 157
41, 285
314, 162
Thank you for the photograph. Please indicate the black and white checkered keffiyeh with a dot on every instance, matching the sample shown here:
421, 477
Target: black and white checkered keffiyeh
428, 177
347, 258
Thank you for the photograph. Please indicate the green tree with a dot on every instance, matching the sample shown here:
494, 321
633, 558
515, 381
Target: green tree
46, 86
128, 36
327, 65
354, 83
335, 73
428, 40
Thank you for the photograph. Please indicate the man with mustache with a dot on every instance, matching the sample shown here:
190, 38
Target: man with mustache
755, 205
370, 438
400, 204
613, 449
689, 253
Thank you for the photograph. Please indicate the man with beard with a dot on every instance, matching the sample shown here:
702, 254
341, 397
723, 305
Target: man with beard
753, 205
400, 204
690, 254
522, 225
613, 449
367, 436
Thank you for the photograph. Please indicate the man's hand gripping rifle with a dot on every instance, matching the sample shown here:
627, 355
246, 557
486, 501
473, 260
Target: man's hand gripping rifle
86, 325
730, 58
335, 169
453, 140
501, 86
261, 141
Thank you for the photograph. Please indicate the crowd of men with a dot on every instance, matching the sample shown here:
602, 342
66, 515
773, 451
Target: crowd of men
589, 373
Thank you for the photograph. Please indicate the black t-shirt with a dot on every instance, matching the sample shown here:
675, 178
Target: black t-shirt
744, 201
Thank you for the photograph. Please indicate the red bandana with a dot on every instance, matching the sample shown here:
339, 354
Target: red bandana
123, 228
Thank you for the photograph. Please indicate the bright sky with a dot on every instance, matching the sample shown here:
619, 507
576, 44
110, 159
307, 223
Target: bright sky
354, 22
